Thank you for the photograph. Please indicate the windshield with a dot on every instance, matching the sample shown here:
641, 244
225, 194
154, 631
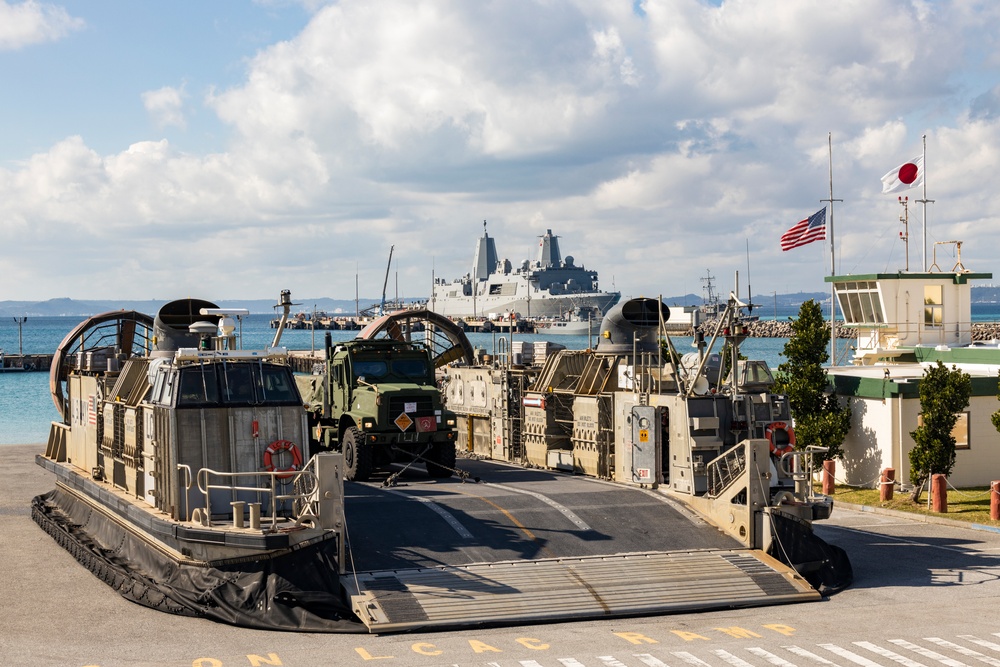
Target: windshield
370, 370
251, 383
413, 368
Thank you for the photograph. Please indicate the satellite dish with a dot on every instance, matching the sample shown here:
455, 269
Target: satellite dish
701, 386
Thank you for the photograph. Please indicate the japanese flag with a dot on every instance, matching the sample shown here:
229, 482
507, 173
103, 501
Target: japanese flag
905, 176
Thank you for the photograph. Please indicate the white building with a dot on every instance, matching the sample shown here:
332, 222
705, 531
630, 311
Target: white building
905, 322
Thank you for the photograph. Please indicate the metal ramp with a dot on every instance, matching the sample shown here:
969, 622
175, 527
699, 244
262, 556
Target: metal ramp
520, 592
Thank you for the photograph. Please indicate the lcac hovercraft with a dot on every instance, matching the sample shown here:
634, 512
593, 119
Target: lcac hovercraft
182, 476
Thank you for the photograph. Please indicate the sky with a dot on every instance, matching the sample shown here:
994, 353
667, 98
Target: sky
231, 150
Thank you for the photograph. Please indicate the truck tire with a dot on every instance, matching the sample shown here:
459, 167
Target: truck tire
441, 460
357, 456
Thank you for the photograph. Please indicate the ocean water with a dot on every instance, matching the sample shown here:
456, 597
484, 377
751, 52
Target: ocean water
26, 407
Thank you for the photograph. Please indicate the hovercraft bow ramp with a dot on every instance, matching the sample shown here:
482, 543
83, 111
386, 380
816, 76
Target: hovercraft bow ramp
590, 550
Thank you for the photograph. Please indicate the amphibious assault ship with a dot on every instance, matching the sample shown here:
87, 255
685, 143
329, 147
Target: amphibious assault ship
551, 286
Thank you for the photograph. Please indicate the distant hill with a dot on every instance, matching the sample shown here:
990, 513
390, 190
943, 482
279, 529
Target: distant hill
781, 300
86, 308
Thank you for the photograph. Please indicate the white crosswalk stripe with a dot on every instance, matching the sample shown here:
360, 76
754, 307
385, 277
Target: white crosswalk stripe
731, 659
892, 655
775, 657
981, 642
691, 659
964, 651
771, 658
850, 655
818, 659
927, 653
611, 661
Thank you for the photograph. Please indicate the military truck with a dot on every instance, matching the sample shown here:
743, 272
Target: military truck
377, 401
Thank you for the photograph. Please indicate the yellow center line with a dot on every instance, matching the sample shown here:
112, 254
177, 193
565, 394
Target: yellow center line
524, 529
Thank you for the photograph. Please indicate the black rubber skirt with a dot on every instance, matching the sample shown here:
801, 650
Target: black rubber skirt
298, 590
825, 566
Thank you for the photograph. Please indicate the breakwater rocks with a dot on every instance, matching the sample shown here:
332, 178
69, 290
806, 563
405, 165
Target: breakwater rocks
985, 331
769, 329
981, 331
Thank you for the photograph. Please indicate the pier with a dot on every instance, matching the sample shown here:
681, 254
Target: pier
24, 362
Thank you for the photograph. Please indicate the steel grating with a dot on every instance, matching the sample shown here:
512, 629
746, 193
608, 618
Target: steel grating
514, 592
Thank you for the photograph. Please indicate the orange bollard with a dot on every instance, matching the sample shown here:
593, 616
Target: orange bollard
829, 473
887, 482
995, 501
939, 493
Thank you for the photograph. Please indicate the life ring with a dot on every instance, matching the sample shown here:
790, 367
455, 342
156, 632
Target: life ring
278, 446
780, 444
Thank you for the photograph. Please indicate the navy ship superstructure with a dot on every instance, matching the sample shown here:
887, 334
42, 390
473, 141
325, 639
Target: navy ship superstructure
550, 286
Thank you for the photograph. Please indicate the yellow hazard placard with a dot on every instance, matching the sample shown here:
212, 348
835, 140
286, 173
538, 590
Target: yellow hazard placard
403, 421
644, 435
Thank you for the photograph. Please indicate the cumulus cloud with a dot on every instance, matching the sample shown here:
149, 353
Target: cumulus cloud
26, 23
656, 140
166, 106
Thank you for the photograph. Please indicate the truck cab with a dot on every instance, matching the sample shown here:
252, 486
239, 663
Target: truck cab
377, 401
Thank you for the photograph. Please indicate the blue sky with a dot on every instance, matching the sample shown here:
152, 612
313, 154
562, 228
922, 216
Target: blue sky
231, 150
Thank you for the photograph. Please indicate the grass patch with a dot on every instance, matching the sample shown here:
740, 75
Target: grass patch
972, 505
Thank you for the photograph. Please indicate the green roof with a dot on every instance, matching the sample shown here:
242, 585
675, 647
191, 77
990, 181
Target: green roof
957, 278
867, 387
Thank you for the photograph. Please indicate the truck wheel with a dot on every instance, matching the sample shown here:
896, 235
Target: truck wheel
357, 456
441, 460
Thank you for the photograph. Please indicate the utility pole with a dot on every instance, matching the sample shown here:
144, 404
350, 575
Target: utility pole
20, 346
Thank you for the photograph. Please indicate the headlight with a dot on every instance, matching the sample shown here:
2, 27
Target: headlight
450, 422
368, 424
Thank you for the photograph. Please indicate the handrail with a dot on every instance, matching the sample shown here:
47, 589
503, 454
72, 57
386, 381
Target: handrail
726, 468
187, 487
205, 488
799, 465
801, 472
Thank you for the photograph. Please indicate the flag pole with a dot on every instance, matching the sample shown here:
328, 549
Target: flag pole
924, 202
833, 266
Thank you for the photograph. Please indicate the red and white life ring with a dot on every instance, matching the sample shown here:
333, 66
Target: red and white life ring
279, 446
785, 444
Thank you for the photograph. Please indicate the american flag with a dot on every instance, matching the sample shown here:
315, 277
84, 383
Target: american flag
805, 231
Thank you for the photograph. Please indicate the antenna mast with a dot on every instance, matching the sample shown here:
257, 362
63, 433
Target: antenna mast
833, 266
905, 234
385, 283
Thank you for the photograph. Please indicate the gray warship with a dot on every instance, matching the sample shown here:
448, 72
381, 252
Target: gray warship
551, 286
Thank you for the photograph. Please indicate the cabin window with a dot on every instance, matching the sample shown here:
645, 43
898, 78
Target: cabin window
277, 385
257, 383
960, 431
933, 305
168, 389
198, 386
238, 384
860, 302
157, 388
